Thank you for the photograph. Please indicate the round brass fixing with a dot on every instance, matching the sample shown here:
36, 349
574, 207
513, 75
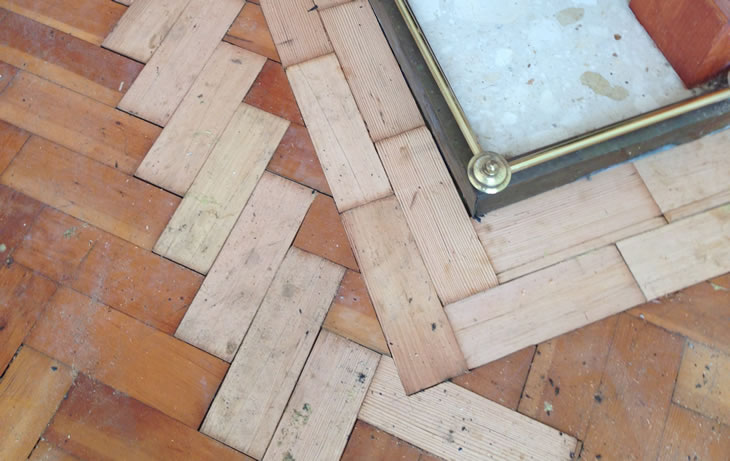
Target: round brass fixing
489, 172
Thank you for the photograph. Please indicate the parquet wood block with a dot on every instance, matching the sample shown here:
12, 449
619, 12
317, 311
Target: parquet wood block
133, 358
352, 315
23, 296
381, 92
96, 130
688, 174
636, 387
210, 209
91, 192
272, 93
97, 422
584, 210
12, 139
173, 68
323, 408
688, 435
252, 398
30, 392
89, 20
44, 451
565, 375
703, 382
143, 27
223, 309
322, 233
7, 73
296, 159
454, 257
500, 381
296, 29
251, 32
456, 424
193, 131
419, 335
368, 443
698, 312
680, 254
344, 148
65, 59
17, 215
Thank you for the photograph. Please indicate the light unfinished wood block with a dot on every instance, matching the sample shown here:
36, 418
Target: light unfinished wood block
226, 303
342, 143
323, 408
296, 29
542, 305
210, 209
30, 392
703, 382
456, 424
377, 83
420, 337
168, 76
143, 27
681, 253
253, 396
454, 257
193, 131
560, 219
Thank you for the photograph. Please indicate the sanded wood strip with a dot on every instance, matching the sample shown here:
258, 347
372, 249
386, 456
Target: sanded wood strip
689, 173
184, 145
30, 392
377, 83
456, 424
454, 257
419, 334
296, 29
143, 27
681, 253
698, 207
344, 148
170, 73
542, 305
562, 218
205, 217
323, 408
257, 387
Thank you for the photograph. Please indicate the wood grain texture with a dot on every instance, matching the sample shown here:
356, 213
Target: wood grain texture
193, 131
368, 443
223, 309
543, 305
97, 422
91, 192
322, 410
44, 451
7, 73
680, 254
698, 206
250, 31
567, 216
210, 209
688, 435
17, 216
272, 93
30, 392
454, 257
252, 398
344, 148
170, 73
143, 27
377, 83
296, 159
418, 333
133, 358
296, 29
12, 139
689, 173
96, 130
456, 424
703, 382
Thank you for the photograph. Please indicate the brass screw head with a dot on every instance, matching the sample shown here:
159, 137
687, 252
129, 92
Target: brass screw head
489, 172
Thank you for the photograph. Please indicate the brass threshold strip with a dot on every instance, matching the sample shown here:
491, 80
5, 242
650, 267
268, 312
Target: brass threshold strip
490, 172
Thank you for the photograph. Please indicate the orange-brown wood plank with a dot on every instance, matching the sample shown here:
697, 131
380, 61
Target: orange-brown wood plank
17, 214
703, 382
296, 159
44, 451
368, 443
144, 363
7, 72
12, 139
97, 422
690, 436
64, 59
250, 31
272, 93
90, 191
89, 20
95, 129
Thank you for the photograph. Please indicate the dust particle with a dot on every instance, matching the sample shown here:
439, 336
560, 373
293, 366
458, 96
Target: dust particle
598, 398
569, 16
548, 408
361, 378
603, 87
617, 36
70, 232
288, 457
3, 248
433, 327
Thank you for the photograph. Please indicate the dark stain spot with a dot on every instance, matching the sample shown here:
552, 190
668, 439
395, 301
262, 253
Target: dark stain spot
361, 378
54, 368
433, 327
617, 36
598, 398
557, 390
